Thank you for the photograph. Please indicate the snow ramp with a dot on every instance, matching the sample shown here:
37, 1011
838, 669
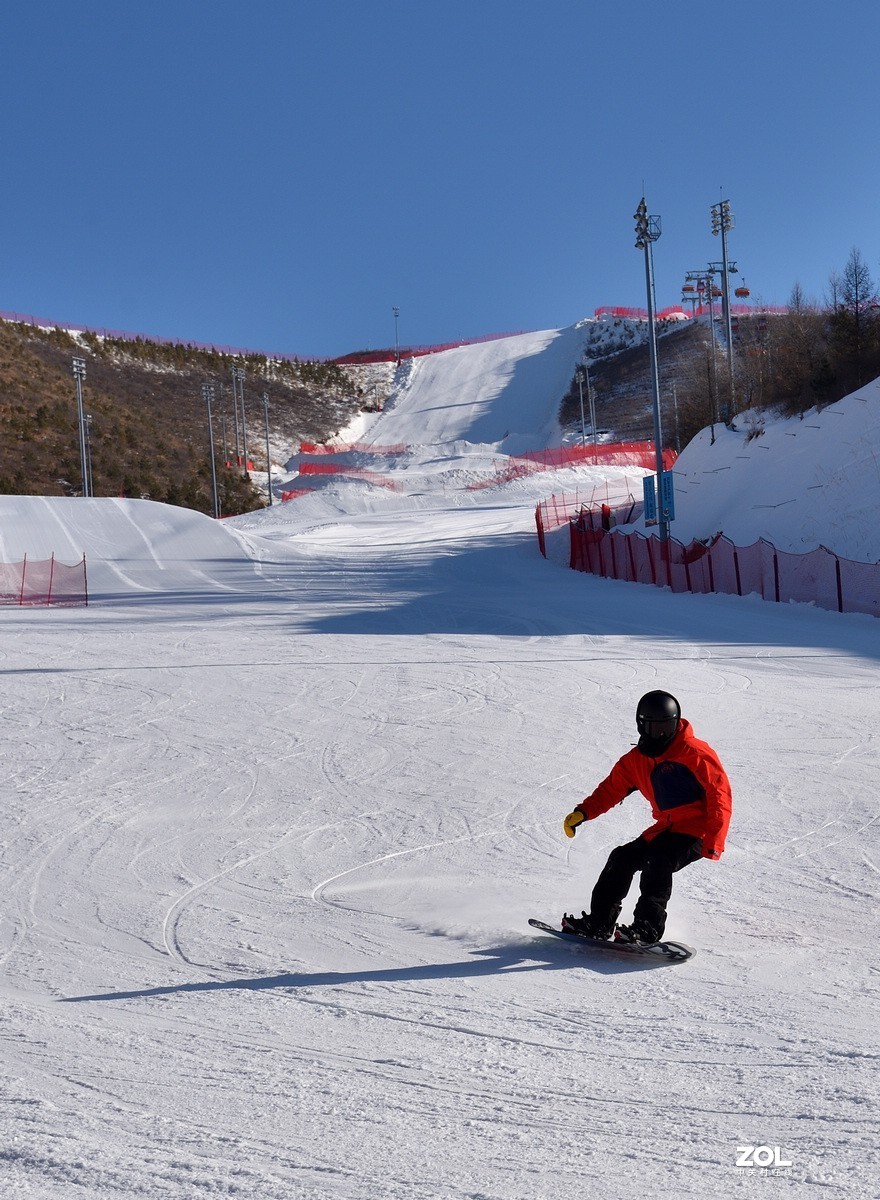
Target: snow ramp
506, 391
130, 545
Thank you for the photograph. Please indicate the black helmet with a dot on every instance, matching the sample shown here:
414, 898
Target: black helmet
657, 716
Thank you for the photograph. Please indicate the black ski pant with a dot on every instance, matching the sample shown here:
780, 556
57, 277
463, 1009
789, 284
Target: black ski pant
658, 860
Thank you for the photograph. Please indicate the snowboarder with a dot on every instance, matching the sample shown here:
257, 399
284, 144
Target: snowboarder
689, 793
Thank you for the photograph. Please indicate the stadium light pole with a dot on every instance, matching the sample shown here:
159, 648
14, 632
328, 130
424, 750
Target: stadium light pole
225, 438
79, 374
208, 397
396, 312
235, 418
723, 222
87, 419
268, 459
222, 388
580, 375
592, 403
238, 381
647, 232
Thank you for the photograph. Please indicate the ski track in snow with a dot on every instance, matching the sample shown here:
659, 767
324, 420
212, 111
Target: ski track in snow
280, 802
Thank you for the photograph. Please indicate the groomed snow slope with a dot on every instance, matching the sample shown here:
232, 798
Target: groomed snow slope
272, 830
489, 392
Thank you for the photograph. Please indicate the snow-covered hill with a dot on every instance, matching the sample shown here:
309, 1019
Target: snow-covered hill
797, 482
279, 803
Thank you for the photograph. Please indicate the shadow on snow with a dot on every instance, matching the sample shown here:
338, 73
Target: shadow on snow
507, 960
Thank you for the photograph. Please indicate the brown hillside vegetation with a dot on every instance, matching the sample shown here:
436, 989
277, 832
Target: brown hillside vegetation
149, 435
622, 393
786, 361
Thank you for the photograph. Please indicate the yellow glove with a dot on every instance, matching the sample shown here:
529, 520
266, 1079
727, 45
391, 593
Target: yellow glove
572, 821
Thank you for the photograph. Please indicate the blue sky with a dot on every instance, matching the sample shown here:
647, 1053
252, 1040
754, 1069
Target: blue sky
280, 175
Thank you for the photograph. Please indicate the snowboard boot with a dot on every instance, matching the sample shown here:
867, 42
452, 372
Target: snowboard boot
639, 932
588, 926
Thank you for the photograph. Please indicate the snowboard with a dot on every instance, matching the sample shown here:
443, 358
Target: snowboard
668, 951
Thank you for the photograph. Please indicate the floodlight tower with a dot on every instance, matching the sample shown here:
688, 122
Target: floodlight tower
723, 222
79, 374
87, 419
647, 232
238, 388
268, 459
208, 397
580, 379
396, 312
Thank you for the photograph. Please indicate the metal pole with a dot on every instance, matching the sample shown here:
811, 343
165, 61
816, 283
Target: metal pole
592, 416
235, 416
244, 448
710, 283
87, 417
396, 312
268, 459
79, 374
580, 375
208, 396
223, 423
722, 222
648, 231
675, 411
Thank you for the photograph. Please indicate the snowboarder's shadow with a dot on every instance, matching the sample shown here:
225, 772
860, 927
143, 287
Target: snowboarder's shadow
510, 959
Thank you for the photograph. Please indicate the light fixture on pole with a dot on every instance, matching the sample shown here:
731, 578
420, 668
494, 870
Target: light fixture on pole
647, 232
235, 418
87, 420
223, 427
238, 382
79, 374
723, 222
580, 378
396, 312
592, 404
268, 459
208, 397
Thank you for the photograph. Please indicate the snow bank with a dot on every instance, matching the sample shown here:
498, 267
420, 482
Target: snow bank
799, 483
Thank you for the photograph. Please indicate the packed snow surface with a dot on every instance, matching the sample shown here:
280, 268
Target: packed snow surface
799, 483
280, 801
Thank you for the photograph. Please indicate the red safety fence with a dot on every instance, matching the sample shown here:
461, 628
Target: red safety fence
365, 357
327, 468
44, 581
612, 454
677, 311
819, 577
596, 513
625, 313
316, 448
616, 454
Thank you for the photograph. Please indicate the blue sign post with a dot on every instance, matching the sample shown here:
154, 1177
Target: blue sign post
649, 495
667, 496
667, 499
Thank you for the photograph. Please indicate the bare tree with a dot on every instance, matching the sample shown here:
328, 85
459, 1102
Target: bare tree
854, 319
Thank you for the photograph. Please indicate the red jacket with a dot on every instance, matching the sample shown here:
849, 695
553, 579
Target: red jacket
686, 785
